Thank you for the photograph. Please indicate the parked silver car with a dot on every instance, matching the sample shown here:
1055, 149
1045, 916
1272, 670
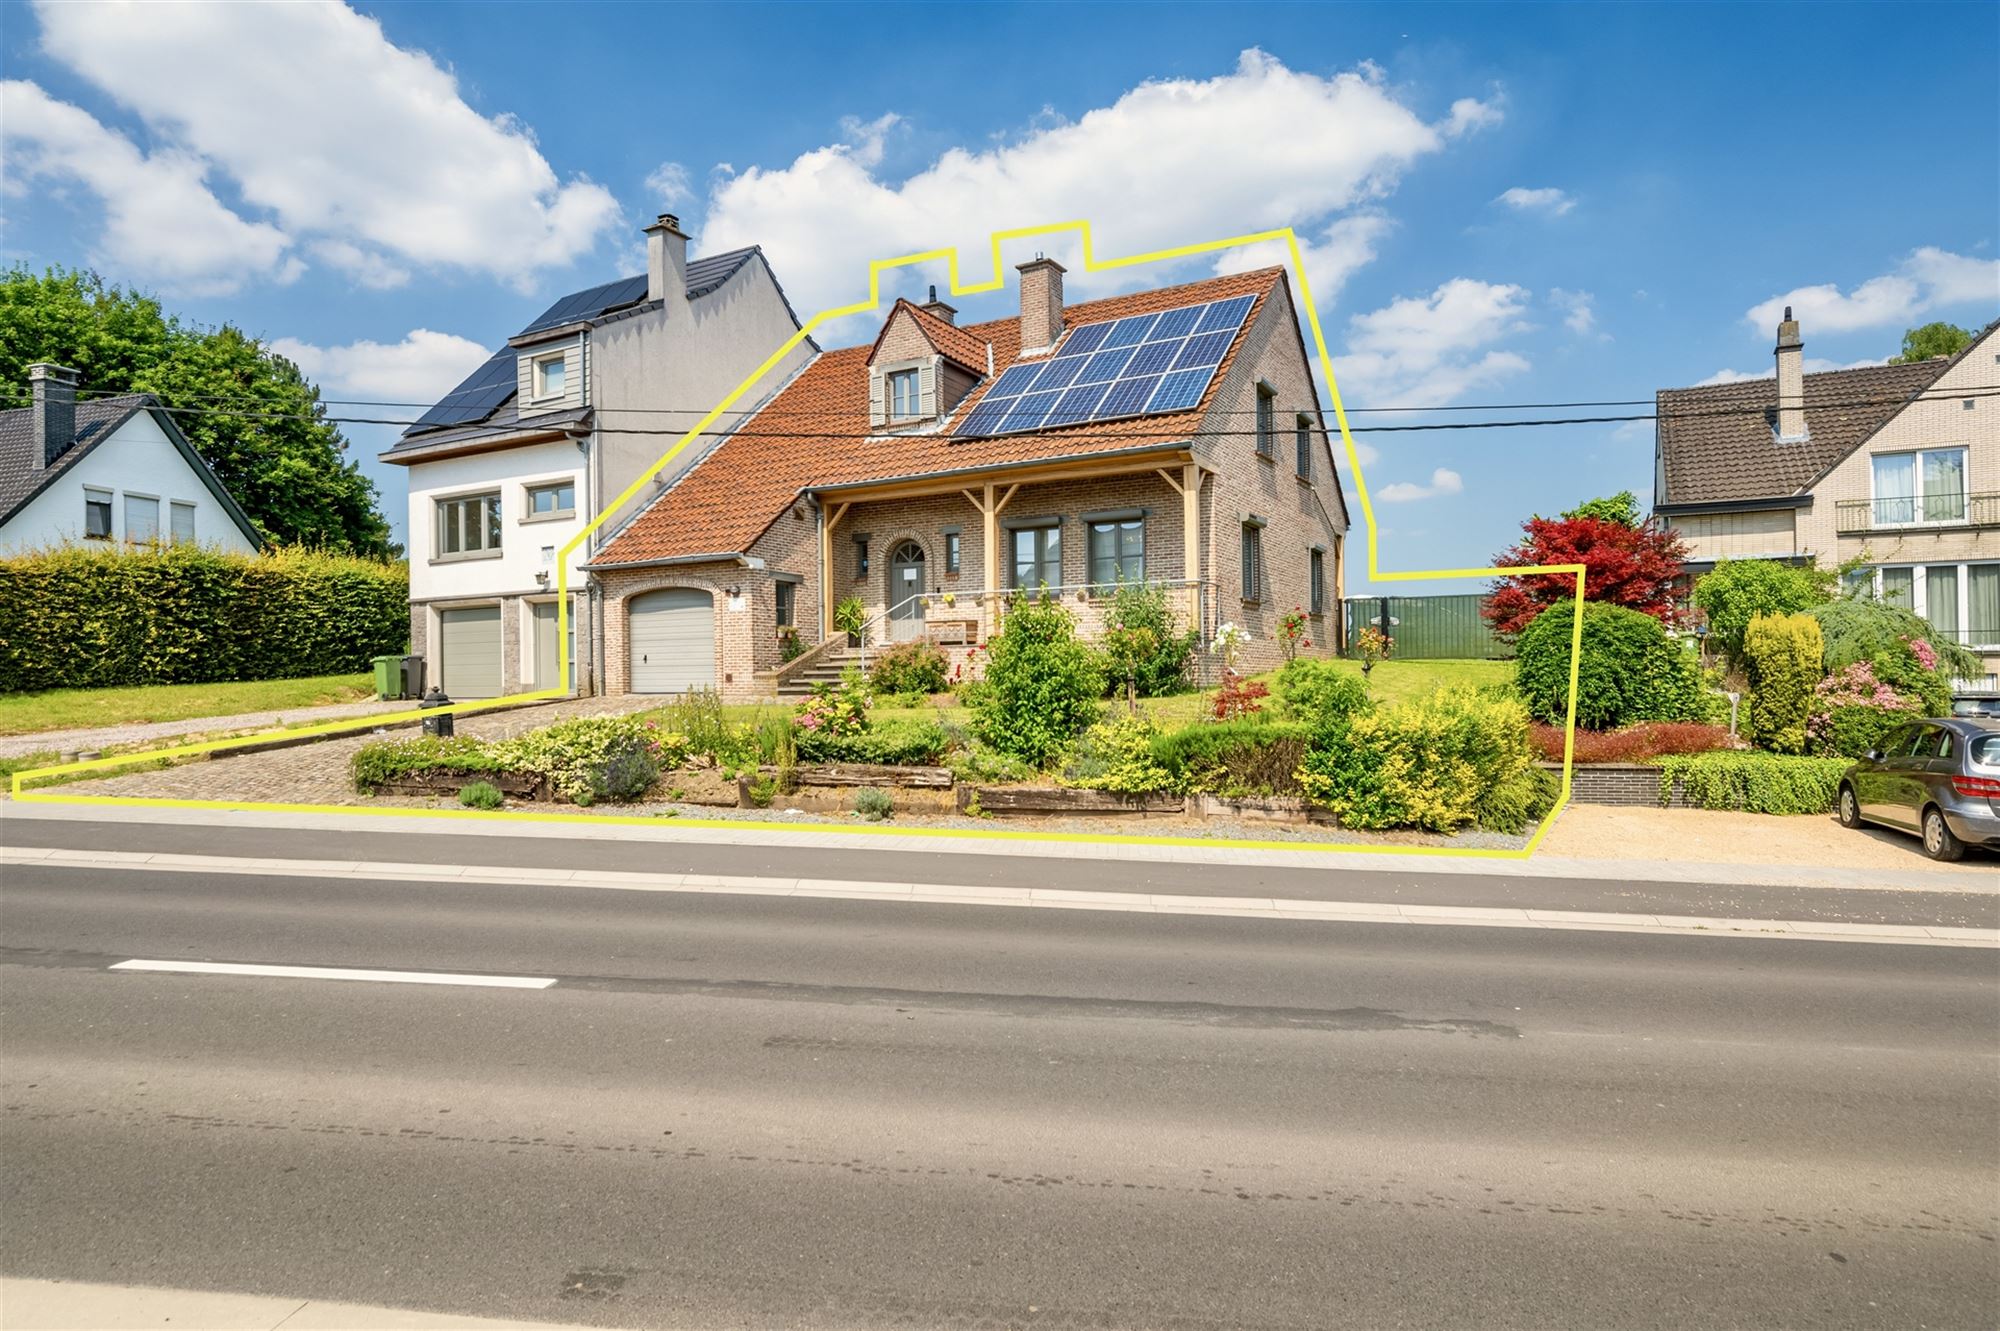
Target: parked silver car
1938, 778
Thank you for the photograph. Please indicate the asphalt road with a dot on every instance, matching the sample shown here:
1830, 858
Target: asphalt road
751, 1111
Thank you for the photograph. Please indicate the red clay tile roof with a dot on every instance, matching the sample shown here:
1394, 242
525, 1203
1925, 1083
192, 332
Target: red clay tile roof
954, 343
816, 434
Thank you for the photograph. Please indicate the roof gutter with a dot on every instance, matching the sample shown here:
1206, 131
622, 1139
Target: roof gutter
1733, 505
720, 556
1137, 451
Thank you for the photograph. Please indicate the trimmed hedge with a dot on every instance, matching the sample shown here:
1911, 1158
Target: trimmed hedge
1251, 755
80, 618
1629, 669
1754, 782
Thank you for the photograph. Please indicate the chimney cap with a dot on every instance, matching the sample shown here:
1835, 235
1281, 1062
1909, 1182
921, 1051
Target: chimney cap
666, 222
1040, 261
50, 371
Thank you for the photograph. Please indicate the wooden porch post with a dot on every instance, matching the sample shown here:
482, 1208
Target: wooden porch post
989, 535
832, 516
1188, 487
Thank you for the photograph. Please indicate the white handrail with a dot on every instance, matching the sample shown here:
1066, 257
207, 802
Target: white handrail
1006, 593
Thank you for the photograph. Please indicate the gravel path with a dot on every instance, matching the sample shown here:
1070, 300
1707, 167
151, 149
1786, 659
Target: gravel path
108, 737
1713, 836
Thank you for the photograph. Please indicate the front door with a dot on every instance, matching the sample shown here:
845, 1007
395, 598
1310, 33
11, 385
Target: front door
906, 585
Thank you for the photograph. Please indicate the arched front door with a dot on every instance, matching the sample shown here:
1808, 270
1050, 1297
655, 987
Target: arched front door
906, 583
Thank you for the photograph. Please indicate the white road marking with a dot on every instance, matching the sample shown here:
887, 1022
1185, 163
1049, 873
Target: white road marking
1150, 903
336, 973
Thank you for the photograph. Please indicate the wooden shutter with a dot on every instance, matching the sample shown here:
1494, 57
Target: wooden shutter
878, 412
927, 394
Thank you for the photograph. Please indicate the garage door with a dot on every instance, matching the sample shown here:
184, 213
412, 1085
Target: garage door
469, 647
673, 641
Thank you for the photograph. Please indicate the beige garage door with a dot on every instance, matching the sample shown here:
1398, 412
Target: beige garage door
469, 648
672, 635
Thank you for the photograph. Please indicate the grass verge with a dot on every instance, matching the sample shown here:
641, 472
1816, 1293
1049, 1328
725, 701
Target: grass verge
82, 709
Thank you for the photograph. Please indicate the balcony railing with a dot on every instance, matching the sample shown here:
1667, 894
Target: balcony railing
1853, 516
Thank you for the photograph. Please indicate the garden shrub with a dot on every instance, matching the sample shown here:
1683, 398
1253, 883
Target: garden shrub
1854, 708
1736, 591
874, 805
897, 742
1781, 654
1633, 744
1041, 686
1239, 697
697, 717
835, 711
1439, 763
1863, 629
915, 667
1117, 755
592, 758
1246, 757
1160, 653
384, 762
99, 616
1628, 671
1319, 691
1754, 782
481, 795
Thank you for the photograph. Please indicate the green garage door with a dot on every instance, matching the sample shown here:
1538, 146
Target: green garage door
469, 651
672, 636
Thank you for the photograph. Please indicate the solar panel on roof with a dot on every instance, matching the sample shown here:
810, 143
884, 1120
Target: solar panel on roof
474, 399
1141, 365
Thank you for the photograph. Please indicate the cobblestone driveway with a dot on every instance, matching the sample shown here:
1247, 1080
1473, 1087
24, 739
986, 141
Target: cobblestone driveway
317, 773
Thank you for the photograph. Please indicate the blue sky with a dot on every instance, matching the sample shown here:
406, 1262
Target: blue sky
1501, 204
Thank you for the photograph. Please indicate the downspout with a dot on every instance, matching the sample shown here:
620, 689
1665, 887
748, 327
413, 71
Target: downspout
593, 480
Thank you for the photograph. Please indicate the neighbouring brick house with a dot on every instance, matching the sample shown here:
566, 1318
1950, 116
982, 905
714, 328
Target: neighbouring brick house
1897, 466
1173, 435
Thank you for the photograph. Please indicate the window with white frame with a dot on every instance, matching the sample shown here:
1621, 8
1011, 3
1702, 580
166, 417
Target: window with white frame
468, 526
142, 519
1925, 486
551, 377
556, 499
97, 515
904, 397
181, 516
1961, 601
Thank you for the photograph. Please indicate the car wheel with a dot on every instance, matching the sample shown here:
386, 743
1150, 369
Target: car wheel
1939, 841
1850, 807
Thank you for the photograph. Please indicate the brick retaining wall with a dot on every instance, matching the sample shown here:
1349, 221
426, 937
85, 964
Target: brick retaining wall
1627, 784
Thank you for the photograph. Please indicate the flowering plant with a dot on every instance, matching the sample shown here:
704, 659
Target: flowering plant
1373, 646
1291, 632
1228, 640
836, 710
1852, 710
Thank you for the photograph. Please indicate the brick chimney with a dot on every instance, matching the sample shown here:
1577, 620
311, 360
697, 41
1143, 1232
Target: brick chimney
1041, 303
53, 391
666, 259
1791, 381
948, 313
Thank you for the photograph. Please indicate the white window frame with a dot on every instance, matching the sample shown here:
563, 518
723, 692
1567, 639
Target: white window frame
174, 509
154, 500
1920, 590
891, 381
1916, 496
442, 504
94, 495
538, 376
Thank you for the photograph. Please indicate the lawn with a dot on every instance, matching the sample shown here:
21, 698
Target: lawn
1391, 682
79, 709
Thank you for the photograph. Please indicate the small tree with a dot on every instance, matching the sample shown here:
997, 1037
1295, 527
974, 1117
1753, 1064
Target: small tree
1142, 609
1738, 590
1628, 670
1624, 565
1621, 508
1041, 686
1933, 339
1782, 656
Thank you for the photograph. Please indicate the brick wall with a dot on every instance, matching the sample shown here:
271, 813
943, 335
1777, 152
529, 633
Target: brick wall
1627, 784
1298, 514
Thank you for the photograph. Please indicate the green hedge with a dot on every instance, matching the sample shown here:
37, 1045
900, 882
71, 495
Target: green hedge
82, 618
896, 742
1753, 782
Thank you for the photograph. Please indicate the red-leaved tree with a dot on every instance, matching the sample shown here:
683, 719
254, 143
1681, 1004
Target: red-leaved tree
1633, 565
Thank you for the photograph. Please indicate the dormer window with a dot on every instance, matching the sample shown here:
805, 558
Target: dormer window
903, 395
550, 377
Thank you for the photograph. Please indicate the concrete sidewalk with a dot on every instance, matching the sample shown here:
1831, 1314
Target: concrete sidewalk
66, 1305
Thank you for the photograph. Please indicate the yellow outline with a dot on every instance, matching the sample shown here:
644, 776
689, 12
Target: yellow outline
874, 302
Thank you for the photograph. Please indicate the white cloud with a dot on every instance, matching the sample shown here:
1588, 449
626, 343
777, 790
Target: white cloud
423, 367
1578, 314
1429, 350
1551, 201
670, 185
1469, 114
1926, 280
159, 215
364, 153
1444, 481
1170, 162
1343, 248
1811, 365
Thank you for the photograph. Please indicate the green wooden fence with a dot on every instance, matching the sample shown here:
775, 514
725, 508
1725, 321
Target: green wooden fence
1429, 628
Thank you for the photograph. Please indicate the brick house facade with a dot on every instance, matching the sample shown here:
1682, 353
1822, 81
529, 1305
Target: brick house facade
863, 479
